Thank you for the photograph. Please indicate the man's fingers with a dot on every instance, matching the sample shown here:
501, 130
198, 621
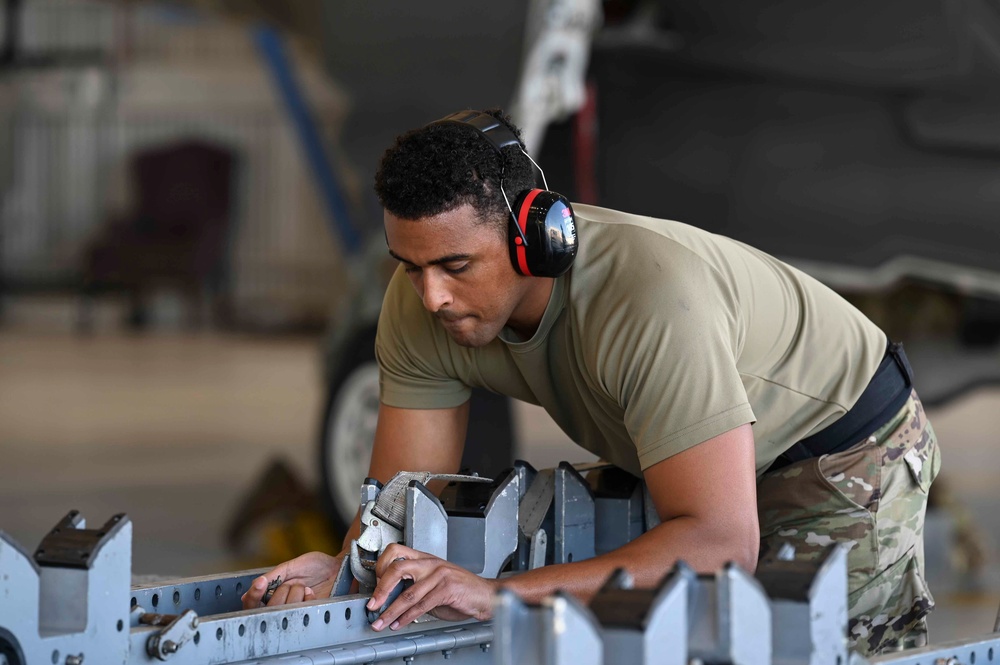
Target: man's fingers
394, 553
281, 594
392, 574
413, 602
296, 594
254, 597
274, 586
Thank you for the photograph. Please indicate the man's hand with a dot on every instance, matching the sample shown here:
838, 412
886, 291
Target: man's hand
443, 589
304, 578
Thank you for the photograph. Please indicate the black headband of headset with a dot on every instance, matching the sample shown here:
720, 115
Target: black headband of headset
494, 131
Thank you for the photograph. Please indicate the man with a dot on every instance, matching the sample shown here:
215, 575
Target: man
758, 406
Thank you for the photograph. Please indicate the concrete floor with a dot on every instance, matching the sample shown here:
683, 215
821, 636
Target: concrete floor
174, 429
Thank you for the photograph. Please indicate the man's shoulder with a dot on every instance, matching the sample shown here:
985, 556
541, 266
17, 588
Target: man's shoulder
627, 239
608, 220
627, 254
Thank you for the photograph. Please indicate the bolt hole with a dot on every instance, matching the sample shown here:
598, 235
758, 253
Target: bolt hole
239, 589
218, 592
242, 630
197, 594
218, 634
305, 620
347, 614
284, 623
326, 617
156, 599
570, 558
177, 597
972, 658
134, 602
989, 654
197, 638
55, 656
121, 624
263, 626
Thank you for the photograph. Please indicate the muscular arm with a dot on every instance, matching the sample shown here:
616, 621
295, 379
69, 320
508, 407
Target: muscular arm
706, 497
707, 500
415, 440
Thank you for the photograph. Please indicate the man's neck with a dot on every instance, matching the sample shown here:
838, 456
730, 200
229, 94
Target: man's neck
527, 316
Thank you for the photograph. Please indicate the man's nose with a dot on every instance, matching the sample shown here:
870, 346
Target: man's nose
436, 295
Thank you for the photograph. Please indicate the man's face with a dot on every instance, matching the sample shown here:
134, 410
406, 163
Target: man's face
461, 270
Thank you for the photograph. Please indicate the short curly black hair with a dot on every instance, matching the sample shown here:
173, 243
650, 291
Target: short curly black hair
436, 168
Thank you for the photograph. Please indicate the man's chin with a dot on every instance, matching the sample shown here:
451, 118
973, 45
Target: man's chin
468, 340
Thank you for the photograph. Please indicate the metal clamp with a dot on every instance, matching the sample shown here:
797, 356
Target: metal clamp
169, 641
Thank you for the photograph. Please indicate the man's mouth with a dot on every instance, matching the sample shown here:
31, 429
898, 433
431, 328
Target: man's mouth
448, 317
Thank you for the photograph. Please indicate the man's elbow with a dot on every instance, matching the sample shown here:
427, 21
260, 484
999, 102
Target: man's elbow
747, 558
737, 543
722, 541
746, 546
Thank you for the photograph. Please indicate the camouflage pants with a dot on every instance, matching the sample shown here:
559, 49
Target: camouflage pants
873, 497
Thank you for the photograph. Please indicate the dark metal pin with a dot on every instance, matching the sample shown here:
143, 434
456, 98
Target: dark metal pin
271, 589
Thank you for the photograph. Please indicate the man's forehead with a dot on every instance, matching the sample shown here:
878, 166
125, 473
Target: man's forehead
436, 239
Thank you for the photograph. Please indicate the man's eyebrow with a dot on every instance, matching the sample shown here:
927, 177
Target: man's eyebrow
435, 262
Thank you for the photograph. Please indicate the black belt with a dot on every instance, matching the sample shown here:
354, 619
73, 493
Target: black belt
883, 398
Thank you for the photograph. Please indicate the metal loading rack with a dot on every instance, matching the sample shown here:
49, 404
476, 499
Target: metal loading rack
71, 602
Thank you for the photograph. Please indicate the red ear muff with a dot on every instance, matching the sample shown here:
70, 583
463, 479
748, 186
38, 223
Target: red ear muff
542, 234
519, 251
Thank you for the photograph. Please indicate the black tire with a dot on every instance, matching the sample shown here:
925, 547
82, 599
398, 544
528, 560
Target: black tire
348, 430
9, 649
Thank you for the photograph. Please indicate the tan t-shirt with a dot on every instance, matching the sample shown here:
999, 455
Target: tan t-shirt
660, 337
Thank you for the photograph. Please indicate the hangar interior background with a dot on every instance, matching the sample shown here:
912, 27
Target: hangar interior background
160, 377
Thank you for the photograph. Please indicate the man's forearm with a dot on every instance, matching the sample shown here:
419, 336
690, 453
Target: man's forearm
352, 534
647, 558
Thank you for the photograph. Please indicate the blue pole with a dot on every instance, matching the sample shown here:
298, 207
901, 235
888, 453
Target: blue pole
272, 49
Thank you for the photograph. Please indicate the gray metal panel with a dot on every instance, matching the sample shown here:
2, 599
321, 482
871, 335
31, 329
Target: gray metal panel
428, 522
209, 594
573, 538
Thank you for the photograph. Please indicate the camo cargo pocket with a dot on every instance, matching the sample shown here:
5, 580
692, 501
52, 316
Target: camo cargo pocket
890, 611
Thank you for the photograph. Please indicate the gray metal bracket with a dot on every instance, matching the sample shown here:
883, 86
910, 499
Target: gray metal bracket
72, 601
558, 631
479, 538
566, 517
647, 626
808, 606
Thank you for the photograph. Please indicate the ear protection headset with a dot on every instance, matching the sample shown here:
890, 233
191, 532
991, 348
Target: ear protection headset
541, 234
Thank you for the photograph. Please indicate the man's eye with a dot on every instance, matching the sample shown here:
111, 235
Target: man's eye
457, 269
411, 270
